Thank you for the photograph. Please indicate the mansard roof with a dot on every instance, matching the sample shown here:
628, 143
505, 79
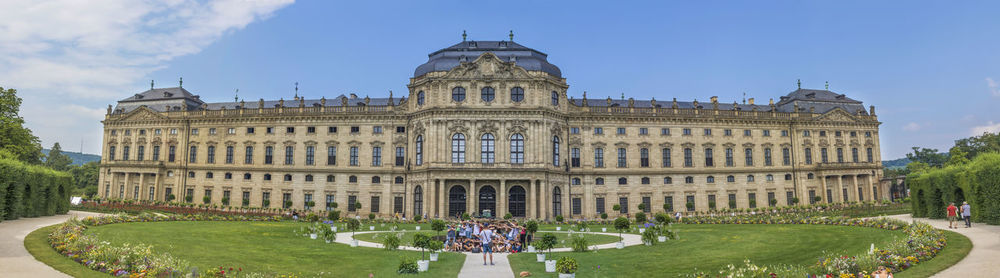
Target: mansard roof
161, 94
821, 101
467, 51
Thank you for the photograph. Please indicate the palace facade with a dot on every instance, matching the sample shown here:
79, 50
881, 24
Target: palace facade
487, 127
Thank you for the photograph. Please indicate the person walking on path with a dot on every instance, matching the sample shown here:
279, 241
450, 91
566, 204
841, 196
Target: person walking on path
967, 214
486, 237
951, 215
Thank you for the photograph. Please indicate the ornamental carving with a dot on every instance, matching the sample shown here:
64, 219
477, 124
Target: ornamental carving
598, 144
354, 143
377, 143
708, 145
575, 141
728, 145
621, 144
767, 145
837, 115
399, 140
487, 127
487, 67
418, 128
786, 145
233, 143
458, 127
556, 129
666, 145
249, 143
195, 143
270, 143
211, 143
517, 127
310, 143
644, 145
289, 143
748, 145
688, 145
156, 141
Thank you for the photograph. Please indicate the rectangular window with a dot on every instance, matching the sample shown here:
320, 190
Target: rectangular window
290, 129
351, 200
248, 156
599, 158
574, 130
400, 156
770, 196
643, 131
598, 130
250, 130
331, 155
854, 155
869, 154
732, 201
668, 203
211, 131
311, 129
840, 155
708, 158
171, 153
269, 130
246, 198
664, 131
140, 153
727, 132
688, 157
767, 157
809, 156
376, 156
708, 132
665, 157
574, 154
690, 203
286, 200
355, 129
289, 155
805, 133
329, 202
265, 199
647, 204
620, 131
156, 153
231, 131
331, 129
748, 153
644, 157
747, 132
152, 190
599, 204
577, 206
194, 131
375, 204
789, 196
752, 199
268, 155
397, 204
686, 131
310, 155
784, 133
210, 157
125, 151
837, 133
786, 156
354, 156
377, 129
229, 154
766, 132
823, 155
623, 203
622, 160
729, 157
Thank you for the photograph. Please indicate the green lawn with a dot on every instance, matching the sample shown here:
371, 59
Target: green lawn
563, 238
37, 244
268, 247
712, 247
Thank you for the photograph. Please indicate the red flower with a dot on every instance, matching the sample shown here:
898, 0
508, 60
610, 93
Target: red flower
230, 269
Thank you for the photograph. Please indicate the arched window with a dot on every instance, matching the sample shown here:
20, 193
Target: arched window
622, 180
710, 179
418, 201
458, 94
330, 178
516, 94
399, 180
420, 150
352, 179
555, 150
811, 176
420, 98
487, 148
788, 177
769, 177
730, 178
267, 177
488, 94
309, 177
689, 179
668, 180
555, 98
517, 149
458, 148
645, 180
376, 179
556, 201
599, 181
749, 178
287, 177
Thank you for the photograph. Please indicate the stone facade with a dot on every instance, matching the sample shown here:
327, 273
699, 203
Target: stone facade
488, 134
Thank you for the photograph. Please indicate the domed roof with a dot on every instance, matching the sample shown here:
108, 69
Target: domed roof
467, 51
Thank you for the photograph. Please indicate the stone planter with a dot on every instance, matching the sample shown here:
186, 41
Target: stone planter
540, 257
422, 265
333, 228
604, 230
312, 236
619, 245
661, 238
434, 256
328, 241
371, 228
550, 266
642, 230
418, 228
648, 243
567, 275
354, 243
558, 228
531, 249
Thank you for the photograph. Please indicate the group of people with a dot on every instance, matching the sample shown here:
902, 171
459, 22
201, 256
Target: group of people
953, 212
486, 237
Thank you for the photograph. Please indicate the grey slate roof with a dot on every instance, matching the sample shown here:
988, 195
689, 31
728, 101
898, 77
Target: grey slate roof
821, 101
351, 101
467, 51
161, 94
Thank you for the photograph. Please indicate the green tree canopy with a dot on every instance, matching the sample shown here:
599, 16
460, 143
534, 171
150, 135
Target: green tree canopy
57, 160
14, 137
931, 157
957, 157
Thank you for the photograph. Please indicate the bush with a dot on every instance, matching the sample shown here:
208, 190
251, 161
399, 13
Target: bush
333, 215
616, 207
390, 241
668, 207
508, 216
977, 182
438, 225
407, 266
465, 216
417, 218
371, 216
31, 191
206, 199
559, 218
604, 215
640, 217
579, 243
621, 224
566, 265
353, 225
662, 218
422, 241
190, 198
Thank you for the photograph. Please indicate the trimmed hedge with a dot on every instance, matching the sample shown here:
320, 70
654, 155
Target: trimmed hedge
977, 182
32, 191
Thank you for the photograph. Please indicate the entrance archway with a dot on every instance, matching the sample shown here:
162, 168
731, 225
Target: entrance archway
959, 196
516, 201
456, 201
487, 201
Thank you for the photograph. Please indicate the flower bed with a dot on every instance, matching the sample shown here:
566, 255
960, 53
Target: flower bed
129, 260
922, 243
137, 207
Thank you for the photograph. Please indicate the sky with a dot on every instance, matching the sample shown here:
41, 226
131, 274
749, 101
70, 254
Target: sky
930, 68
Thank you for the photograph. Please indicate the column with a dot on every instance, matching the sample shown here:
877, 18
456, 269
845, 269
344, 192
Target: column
440, 209
840, 188
530, 204
143, 191
545, 199
826, 199
158, 189
854, 188
872, 188
502, 200
472, 198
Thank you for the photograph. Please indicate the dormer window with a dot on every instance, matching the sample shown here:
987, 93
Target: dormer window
472, 44
167, 94
503, 44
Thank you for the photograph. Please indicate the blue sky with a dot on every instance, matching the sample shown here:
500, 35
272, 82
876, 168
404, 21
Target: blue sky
930, 68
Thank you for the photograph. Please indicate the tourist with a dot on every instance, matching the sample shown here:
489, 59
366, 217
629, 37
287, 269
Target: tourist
486, 238
951, 215
967, 214
881, 272
678, 216
451, 234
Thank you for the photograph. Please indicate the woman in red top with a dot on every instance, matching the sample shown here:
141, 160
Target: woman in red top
952, 213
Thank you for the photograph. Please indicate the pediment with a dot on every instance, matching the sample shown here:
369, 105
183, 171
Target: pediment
143, 113
837, 115
488, 66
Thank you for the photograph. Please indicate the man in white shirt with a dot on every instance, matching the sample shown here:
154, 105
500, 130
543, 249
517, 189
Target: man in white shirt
486, 237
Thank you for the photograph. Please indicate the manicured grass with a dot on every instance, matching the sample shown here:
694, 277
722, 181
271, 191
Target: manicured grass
37, 244
711, 247
268, 247
956, 250
563, 238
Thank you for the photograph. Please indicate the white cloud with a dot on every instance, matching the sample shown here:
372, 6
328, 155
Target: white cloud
994, 87
911, 127
69, 58
990, 127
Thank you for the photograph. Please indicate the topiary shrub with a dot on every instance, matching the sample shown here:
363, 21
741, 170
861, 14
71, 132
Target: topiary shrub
559, 218
407, 266
333, 215
640, 217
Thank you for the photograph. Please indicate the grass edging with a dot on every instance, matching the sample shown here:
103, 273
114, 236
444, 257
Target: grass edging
958, 247
37, 244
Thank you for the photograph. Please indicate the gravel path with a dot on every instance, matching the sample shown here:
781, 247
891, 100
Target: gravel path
982, 259
15, 261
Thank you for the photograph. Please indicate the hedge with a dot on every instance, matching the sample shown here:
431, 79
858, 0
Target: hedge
977, 182
32, 191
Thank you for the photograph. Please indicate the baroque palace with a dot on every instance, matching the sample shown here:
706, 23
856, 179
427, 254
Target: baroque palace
487, 127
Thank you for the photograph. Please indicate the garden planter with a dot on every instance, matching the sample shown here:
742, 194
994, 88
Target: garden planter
550, 266
333, 228
661, 238
604, 230
371, 228
422, 265
531, 249
567, 275
558, 228
418, 228
540, 257
312, 236
642, 230
434, 256
354, 243
620, 245
328, 241
648, 243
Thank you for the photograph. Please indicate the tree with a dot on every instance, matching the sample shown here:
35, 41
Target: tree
917, 167
438, 225
621, 224
57, 160
957, 157
14, 137
85, 177
929, 156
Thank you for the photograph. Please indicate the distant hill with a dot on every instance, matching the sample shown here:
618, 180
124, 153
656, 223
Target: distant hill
896, 163
78, 158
